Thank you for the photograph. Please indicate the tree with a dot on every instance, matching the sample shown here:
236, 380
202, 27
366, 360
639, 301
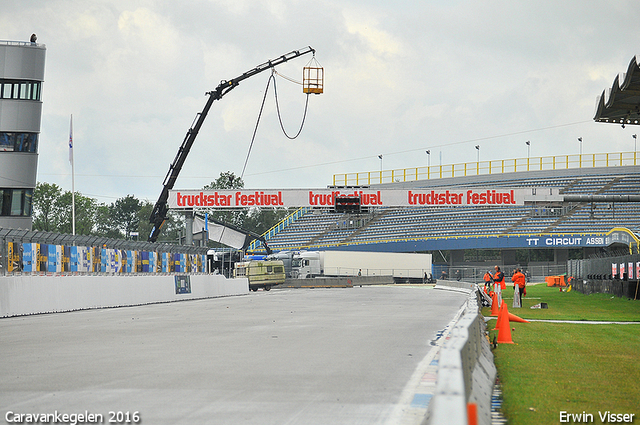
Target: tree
45, 208
144, 226
52, 210
259, 220
104, 225
85, 213
227, 180
124, 214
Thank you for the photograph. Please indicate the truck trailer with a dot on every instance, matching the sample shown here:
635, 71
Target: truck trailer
404, 267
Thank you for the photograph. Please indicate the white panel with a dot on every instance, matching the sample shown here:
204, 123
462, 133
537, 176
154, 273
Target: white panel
22, 61
22, 295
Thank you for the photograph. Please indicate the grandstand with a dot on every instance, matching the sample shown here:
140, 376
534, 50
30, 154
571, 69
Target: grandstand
558, 226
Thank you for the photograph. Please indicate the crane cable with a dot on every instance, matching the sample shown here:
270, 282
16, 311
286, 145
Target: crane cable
304, 116
264, 98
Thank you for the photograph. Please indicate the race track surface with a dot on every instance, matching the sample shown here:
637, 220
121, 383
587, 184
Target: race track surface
290, 356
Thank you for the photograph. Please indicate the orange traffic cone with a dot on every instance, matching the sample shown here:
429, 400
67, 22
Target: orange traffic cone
514, 318
472, 414
504, 333
495, 308
499, 321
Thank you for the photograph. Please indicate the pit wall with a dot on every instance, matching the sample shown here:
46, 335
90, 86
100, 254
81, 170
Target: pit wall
28, 294
466, 373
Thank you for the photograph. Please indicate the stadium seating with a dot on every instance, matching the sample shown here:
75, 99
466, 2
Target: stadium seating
324, 227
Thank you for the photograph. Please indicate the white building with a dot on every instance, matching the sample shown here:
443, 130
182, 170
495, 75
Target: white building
21, 77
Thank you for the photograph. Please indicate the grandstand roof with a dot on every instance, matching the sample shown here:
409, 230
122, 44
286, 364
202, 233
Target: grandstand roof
621, 103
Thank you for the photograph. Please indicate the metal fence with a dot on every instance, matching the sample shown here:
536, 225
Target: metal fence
541, 163
26, 251
617, 275
475, 274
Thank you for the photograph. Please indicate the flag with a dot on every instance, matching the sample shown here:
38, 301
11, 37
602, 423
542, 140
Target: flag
71, 140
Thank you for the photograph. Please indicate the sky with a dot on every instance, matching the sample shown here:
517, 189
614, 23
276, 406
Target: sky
400, 77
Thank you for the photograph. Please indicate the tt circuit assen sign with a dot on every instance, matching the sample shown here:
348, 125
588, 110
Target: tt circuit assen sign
245, 198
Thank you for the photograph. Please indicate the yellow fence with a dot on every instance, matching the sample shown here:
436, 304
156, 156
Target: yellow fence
563, 162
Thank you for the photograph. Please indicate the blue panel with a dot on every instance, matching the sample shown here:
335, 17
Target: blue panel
484, 242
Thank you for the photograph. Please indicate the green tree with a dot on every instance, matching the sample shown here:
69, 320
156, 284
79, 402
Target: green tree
104, 225
173, 225
227, 180
125, 214
45, 208
259, 220
144, 226
173, 228
85, 213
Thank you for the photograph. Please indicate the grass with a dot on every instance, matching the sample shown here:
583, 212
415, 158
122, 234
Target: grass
576, 368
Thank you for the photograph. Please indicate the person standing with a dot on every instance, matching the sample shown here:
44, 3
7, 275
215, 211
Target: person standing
488, 278
519, 283
498, 284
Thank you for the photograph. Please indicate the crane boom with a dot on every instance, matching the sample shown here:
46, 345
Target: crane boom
159, 213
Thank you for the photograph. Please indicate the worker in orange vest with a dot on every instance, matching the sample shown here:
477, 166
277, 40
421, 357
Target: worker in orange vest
487, 281
498, 284
520, 281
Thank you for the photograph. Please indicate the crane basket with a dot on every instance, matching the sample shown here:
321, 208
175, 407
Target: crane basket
312, 77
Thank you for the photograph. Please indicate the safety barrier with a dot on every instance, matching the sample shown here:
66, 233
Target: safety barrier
29, 294
466, 373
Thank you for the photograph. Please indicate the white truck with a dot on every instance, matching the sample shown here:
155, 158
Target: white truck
404, 267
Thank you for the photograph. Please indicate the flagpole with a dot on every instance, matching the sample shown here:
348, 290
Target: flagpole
73, 178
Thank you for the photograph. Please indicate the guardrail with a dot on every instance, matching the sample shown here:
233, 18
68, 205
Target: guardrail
21, 43
499, 166
466, 373
281, 225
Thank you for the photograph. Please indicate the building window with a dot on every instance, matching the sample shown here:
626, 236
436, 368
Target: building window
16, 202
18, 142
24, 90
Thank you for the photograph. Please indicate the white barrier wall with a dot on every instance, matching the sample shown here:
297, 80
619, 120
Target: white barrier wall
22, 295
466, 373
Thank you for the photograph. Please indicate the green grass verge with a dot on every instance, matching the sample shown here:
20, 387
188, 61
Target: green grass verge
573, 368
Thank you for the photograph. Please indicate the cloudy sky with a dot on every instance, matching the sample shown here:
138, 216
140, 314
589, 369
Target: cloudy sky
401, 77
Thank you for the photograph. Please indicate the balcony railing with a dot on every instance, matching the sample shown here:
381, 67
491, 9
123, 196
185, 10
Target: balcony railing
21, 43
498, 166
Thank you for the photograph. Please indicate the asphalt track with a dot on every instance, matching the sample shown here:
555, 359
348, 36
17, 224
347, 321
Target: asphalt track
291, 356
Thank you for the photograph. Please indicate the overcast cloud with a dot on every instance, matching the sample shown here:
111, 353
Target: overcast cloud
400, 77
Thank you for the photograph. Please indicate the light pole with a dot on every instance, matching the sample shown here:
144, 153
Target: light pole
580, 140
478, 149
429, 156
528, 143
635, 140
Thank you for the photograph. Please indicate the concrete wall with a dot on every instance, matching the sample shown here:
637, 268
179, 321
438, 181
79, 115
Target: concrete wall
22, 295
466, 373
337, 282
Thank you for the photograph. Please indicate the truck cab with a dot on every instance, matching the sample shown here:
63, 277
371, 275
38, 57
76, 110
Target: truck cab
307, 264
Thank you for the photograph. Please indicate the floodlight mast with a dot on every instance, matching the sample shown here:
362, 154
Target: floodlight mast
159, 213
